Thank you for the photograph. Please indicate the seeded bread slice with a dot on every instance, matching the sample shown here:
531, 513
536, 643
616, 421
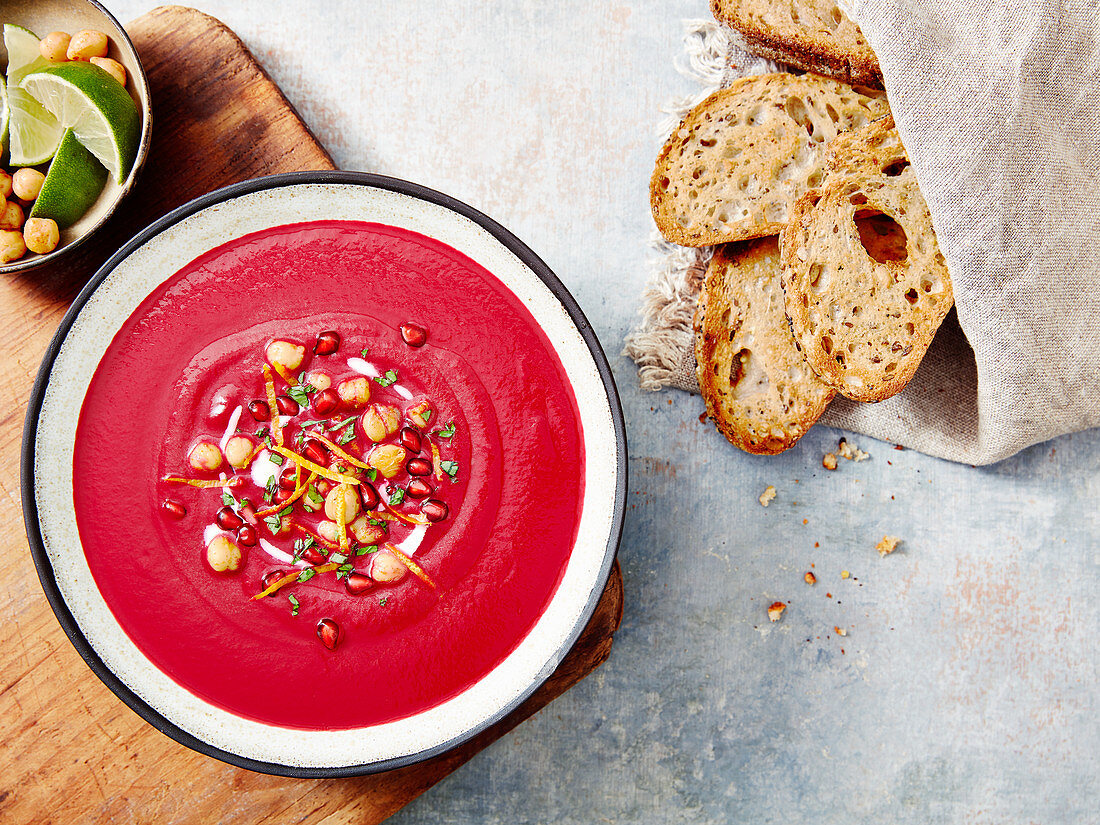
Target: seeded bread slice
866, 286
737, 163
814, 35
758, 388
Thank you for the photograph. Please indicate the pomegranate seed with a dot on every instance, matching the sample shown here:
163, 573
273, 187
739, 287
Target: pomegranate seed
419, 467
357, 583
246, 535
418, 488
315, 451
228, 520
313, 555
327, 343
248, 512
286, 478
282, 494
271, 577
259, 410
287, 405
434, 510
414, 335
410, 439
173, 508
371, 499
325, 402
329, 633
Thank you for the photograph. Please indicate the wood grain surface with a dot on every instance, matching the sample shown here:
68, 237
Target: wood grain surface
72, 752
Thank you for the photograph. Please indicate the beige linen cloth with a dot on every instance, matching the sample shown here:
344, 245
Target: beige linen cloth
997, 104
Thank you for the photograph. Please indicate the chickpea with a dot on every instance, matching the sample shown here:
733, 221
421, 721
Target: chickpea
223, 555
27, 183
386, 567
351, 502
387, 459
380, 420
365, 532
328, 531
11, 216
285, 354
111, 67
320, 380
85, 44
205, 456
5, 184
55, 46
12, 246
239, 451
41, 235
355, 392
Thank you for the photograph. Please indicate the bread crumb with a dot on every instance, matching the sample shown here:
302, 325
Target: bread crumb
767, 496
829, 461
810, 578
840, 631
844, 574
846, 450
776, 610
888, 545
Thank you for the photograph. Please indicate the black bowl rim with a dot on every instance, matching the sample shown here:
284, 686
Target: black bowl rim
131, 179
30, 506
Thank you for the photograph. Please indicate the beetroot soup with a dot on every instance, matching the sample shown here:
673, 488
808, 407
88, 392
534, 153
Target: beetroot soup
329, 475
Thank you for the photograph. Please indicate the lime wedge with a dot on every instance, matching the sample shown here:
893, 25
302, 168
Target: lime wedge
3, 117
72, 184
33, 132
95, 106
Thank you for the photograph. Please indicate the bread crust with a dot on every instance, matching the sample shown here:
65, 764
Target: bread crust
809, 34
863, 299
759, 390
739, 160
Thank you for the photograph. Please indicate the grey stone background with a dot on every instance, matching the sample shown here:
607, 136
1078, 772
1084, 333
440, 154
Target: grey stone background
965, 689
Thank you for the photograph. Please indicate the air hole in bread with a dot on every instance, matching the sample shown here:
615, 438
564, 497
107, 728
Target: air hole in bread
796, 108
837, 16
814, 180
892, 170
858, 199
911, 296
665, 183
708, 142
890, 367
926, 285
826, 344
910, 329
883, 238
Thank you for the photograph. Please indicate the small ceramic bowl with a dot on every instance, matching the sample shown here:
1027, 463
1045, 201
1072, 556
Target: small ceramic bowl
119, 294
43, 17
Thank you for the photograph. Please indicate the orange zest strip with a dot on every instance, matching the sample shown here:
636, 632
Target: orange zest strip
341, 526
437, 468
205, 483
323, 472
414, 568
297, 494
286, 376
323, 542
393, 515
273, 406
283, 581
337, 451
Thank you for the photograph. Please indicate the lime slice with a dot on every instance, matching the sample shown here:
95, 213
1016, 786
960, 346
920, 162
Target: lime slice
95, 106
72, 184
3, 117
33, 133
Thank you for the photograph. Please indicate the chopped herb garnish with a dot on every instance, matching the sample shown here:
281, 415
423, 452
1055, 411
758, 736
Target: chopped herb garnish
372, 474
377, 522
274, 521
270, 488
365, 351
301, 545
448, 431
345, 437
450, 468
386, 378
307, 574
275, 458
339, 558
313, 499
263, 432
397, 496
382, 601
343, 570
340, 468
339, 425
293, 604
228, 500
366, 551
301, 393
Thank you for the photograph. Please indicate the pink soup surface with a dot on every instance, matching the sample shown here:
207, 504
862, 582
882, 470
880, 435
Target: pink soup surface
194, 350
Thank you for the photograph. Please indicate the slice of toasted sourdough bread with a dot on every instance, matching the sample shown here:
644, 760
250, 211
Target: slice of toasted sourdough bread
737, 163
865, 284
758, 388
814, 35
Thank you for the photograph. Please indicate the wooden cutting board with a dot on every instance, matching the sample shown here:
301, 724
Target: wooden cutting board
72, 752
